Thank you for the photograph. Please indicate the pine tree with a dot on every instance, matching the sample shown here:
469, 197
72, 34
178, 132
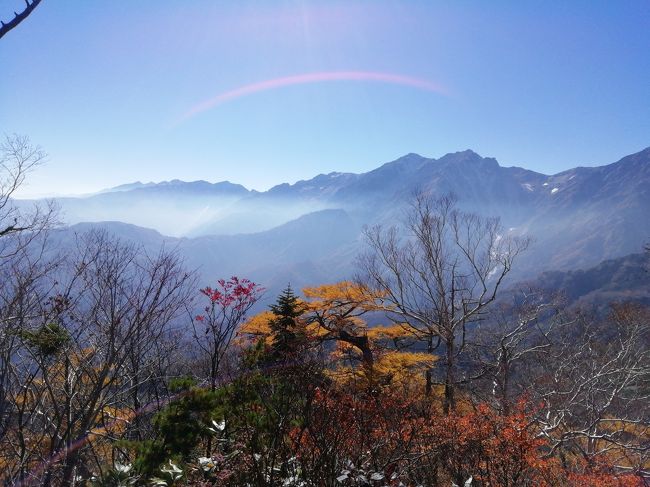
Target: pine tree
287, 330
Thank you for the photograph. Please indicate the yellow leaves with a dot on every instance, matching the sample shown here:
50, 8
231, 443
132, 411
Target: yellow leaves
315, 331
338, 306
390, 368
334, 312
344, 296
338, 309
257, 326
391, 332
344, 350
398, 336
330, 308
404, 368
405, 361
343, 290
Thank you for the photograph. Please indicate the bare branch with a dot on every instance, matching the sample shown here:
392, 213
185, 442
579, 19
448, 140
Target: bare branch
18, 17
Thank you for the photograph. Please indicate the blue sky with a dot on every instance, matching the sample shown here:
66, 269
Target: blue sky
104, 86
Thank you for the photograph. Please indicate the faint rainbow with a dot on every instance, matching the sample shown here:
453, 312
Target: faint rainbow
308, 78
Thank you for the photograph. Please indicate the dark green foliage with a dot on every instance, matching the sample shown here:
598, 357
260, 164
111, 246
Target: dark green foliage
182, 384
262, 408
180, 427
114, 477
49, 339
288, 336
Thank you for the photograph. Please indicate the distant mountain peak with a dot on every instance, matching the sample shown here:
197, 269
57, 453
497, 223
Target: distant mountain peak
468, 158
127, 187
408, 161
643, 156
468, 153
412, 155
464, 155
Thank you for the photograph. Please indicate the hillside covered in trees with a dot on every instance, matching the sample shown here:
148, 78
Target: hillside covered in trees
270, 303
119, 367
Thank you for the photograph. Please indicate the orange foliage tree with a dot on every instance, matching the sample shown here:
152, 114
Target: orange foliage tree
368, 356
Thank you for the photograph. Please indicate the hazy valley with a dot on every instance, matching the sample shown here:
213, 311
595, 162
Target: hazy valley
310, 232
232, 283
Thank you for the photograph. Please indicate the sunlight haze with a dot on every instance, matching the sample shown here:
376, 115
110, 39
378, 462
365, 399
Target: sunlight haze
103, 85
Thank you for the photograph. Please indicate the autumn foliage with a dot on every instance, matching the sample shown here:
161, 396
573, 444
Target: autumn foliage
312, 396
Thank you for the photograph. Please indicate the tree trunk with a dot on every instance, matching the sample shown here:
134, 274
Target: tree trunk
449, 403
428, 374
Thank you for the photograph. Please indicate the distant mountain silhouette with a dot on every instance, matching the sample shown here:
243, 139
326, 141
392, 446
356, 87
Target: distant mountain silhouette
171, 207
594, 289
315, 248
309, 232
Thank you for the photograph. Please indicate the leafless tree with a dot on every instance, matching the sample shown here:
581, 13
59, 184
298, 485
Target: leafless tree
520, 333
18, 17
438, 275
83, 340
24, 279
88, 361
595, 388
20, 223
26, 270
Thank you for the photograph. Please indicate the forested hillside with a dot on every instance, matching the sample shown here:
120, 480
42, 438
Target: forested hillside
324, 243
121, 367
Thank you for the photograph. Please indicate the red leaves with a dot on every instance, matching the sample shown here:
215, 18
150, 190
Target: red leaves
233, 292
604, 479
226, 310
227, 306
495, 449
417, 444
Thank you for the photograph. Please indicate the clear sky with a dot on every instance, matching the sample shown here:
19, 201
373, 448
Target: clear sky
263, 92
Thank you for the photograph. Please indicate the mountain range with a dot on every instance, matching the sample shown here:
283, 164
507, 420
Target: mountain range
310, 232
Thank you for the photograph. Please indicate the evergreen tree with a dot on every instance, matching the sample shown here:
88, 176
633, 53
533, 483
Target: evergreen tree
287, 330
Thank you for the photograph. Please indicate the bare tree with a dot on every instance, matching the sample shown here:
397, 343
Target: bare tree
24, 281
19, 223
88, 361
595, 388
518, 335
81, 340
26, 270
439, 275
18, 17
